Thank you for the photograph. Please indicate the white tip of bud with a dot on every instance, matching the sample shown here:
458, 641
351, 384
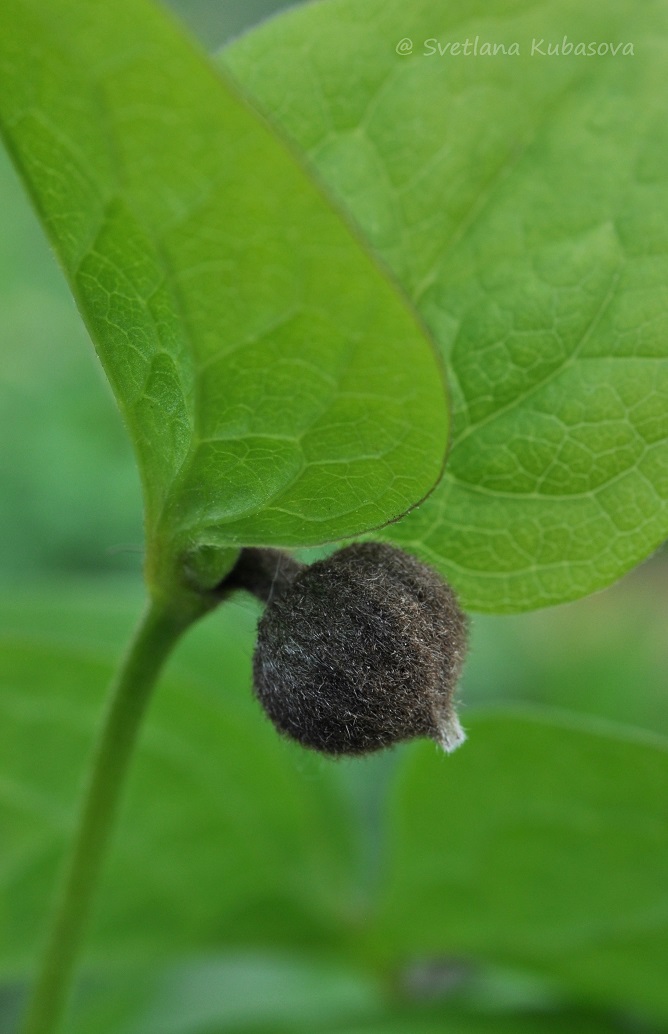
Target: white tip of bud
450, 734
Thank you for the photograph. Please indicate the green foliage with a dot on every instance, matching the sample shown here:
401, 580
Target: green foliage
522, 849
262, 290
524, 219
522, 203
604, 655
210, 774
275, 384
510, 856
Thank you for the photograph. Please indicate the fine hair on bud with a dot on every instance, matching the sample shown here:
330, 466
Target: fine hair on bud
358, 651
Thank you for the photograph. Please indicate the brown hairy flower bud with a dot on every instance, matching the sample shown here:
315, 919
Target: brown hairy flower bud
358, 651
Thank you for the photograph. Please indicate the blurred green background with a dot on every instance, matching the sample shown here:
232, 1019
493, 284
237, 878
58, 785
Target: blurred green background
70, 530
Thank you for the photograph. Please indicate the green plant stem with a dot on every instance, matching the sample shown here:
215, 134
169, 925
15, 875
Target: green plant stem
156, 635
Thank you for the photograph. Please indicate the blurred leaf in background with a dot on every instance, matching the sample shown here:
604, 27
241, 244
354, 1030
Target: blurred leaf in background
605, 655
240, 859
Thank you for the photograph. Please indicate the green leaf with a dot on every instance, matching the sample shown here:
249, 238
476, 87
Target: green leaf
256, 992
275, 384
261, 993
452, 1021
227, 835
544, 847
522, 203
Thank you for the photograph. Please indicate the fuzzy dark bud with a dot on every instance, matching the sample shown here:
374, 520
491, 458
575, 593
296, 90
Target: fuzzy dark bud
358, 651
